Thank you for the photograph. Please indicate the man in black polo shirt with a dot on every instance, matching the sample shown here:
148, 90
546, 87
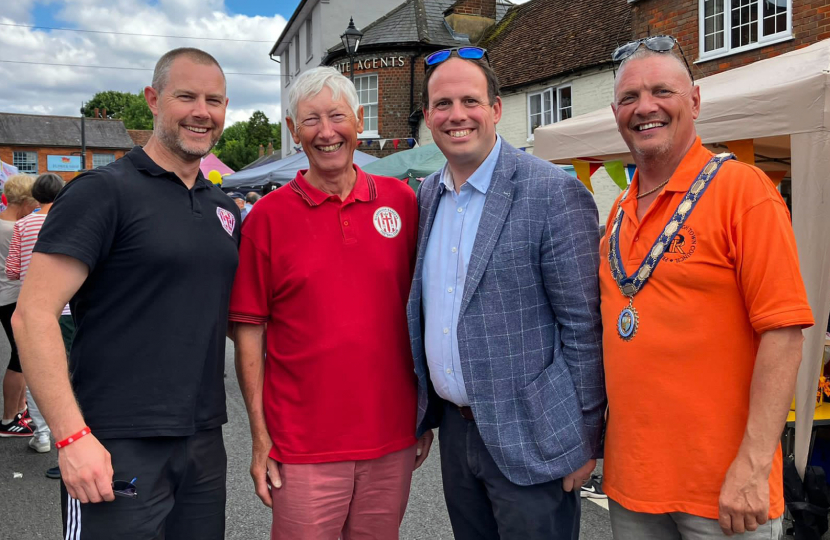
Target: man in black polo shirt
146, 249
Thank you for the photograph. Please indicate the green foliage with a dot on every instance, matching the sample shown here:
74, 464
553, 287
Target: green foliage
239, 144
131, 108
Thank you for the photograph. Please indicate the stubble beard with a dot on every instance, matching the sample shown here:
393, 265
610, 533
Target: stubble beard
176, 144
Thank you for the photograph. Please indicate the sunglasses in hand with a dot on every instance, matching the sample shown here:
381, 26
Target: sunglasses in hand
122, 488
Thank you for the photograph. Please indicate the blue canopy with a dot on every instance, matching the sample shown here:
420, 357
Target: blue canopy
281, 171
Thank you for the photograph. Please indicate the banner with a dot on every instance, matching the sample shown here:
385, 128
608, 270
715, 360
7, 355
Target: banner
616, 171
63, 163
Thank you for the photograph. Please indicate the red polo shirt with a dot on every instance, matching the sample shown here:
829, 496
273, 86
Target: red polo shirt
331, 279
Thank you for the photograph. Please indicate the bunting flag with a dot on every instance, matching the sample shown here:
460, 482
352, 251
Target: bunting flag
411, 142
368, 142
776, 176
382, 143
616, 171
523, 148
743, 149
630, 169
583, 172
395, 143
416, 144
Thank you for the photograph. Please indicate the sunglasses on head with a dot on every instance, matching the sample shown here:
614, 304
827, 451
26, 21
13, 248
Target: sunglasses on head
468, 53
661, 44
122, 488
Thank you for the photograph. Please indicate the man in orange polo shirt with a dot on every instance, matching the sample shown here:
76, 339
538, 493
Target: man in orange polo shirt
703, 306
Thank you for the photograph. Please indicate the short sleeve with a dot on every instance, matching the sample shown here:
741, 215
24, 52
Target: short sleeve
252, 284
83, 220
768, 270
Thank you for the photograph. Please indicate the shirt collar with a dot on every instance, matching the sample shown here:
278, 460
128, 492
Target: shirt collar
480, 179
364, 189
142, 162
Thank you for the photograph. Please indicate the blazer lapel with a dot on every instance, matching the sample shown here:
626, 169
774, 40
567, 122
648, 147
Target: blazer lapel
430, 197
496, 207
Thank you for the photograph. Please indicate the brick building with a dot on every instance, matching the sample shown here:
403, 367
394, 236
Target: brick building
717, 35
389, 66
36, 144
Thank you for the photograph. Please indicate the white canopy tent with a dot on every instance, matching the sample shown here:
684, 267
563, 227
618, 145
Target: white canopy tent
783, 105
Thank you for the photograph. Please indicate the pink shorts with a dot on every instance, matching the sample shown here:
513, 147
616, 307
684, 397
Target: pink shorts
351, 500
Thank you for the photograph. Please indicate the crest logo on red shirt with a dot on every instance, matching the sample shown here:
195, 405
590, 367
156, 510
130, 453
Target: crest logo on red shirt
227, 219
387, 222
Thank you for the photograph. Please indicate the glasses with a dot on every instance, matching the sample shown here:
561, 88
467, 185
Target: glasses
659, 44
122, 488
468, 53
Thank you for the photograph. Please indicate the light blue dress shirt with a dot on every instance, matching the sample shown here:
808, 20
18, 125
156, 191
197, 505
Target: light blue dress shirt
445, 271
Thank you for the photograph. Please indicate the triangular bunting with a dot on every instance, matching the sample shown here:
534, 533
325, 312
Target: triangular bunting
416, 145
630, 169
776, 176
616, 171
382, 143
395, 143
583, 172
411, 143
744, 150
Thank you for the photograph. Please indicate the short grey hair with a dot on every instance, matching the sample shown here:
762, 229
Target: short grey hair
643, 53
161, 74
311, 83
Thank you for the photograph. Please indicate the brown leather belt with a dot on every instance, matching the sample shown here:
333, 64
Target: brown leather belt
466, 413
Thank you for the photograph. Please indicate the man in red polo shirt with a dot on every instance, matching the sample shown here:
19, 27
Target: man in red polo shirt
324, 275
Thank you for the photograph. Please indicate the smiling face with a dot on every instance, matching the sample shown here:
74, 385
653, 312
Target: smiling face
327, 130
655, 105
190, 110
459, 114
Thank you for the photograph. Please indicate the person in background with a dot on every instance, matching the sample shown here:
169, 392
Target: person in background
26, 230
16, 421
250, 199
239, 199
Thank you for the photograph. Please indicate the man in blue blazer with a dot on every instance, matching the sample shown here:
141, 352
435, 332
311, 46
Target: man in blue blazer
504, 318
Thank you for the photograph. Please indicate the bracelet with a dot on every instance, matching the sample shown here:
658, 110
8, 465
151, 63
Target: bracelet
72, 438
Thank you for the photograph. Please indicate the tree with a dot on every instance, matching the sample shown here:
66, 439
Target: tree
239, 144
131, 108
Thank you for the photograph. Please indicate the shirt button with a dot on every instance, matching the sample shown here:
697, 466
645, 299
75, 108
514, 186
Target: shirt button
446, 330
346, 223
449, 371
636, 238
449, 289
454, 249
460, 210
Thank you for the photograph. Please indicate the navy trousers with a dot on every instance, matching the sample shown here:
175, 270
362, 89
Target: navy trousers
484, 505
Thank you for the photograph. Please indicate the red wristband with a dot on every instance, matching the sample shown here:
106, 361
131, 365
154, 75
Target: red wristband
72, 438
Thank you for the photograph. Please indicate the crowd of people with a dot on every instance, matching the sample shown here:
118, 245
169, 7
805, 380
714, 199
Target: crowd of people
365, 316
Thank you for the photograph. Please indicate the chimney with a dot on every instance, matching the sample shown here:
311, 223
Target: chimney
270, 148
96, 113
104, 112
261, 150
471, 17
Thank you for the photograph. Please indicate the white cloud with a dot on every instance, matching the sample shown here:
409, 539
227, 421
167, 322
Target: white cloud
44, 89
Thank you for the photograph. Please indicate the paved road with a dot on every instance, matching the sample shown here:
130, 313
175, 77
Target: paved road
30, 505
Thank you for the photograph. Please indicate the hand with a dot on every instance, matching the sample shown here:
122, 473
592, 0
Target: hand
422, 448
86, 470
265, 473
580, 476
744, 497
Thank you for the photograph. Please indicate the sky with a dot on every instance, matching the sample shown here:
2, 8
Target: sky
28, 85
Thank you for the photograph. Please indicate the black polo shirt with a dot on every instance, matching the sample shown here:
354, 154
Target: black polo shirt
151, 317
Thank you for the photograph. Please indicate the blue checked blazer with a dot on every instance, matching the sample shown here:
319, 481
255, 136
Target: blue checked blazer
529, 331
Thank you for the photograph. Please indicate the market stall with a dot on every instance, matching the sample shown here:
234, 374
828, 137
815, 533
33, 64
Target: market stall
775, 113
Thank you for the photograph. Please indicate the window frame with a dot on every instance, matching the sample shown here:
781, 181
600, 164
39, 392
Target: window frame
297, 53
367, 133
727, 49
287, 65
309, 43
556, 102
16, 162
112, 155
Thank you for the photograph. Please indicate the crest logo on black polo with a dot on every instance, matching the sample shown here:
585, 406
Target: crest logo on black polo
682, 246
227, 219
387, 222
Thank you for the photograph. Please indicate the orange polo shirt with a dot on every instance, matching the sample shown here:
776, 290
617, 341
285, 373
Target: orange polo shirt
678, 392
